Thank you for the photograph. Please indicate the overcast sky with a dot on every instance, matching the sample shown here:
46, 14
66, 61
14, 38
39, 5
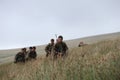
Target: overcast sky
34, 22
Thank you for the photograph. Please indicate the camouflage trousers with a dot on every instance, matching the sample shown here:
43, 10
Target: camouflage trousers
60, 55
48, 53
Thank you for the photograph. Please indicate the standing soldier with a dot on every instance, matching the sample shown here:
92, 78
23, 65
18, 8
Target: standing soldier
49, 48
60, 48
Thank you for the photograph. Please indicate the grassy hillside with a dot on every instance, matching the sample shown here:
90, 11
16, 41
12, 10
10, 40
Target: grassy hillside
100, 61
93, 39
8, 55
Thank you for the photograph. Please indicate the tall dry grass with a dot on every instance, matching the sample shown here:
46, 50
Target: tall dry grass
100, 61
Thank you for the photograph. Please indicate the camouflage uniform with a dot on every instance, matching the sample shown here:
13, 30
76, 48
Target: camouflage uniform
32, 55
20, 57
60, 48
27, 55
49, 49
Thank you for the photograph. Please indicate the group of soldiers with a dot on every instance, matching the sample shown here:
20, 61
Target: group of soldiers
58, 49
25, 55
53, 49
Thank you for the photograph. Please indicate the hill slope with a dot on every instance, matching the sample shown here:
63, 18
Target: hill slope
93, 39
8, 55
99, 61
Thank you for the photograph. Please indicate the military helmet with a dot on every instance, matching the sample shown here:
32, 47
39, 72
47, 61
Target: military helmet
34, 47
30, 48
52, 40
61, 37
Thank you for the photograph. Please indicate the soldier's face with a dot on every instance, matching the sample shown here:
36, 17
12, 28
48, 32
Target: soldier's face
52, 42
59, 40
33, 49
30, 49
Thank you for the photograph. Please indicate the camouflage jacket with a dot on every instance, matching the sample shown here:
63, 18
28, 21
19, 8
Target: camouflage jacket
49, 47
61, 47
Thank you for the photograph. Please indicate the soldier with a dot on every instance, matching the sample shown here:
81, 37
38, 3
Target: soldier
82, 44
79, 45
60, 48
33, 53
49, 48
20, 56
29, 51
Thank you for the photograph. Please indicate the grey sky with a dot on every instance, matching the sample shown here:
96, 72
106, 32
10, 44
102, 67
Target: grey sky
34, 22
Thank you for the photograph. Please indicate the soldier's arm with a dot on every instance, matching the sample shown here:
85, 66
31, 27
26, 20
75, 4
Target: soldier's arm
66, 46
46, 48
55, 48
16, 55
35, 54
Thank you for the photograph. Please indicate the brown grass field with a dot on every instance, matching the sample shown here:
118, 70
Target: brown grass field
8, 55
99, 61
96, 61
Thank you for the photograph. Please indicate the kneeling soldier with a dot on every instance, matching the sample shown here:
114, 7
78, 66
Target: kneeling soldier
33, 53
20, 56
